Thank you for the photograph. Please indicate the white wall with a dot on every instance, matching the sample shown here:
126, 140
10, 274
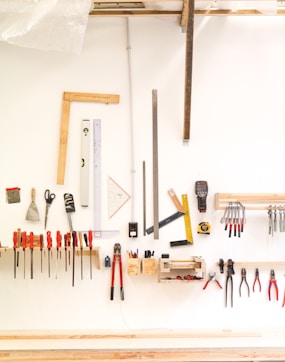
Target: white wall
237, 145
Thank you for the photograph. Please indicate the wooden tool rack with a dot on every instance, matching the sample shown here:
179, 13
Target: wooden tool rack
169, 270
250, 201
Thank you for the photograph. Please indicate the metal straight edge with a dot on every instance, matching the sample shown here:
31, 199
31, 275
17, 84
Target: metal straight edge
97, 173
144, 199
155, 164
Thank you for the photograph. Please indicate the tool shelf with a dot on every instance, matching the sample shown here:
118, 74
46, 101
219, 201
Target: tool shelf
190, 270
257, 201
95, 253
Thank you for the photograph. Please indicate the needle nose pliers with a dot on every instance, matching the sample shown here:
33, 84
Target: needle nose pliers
256, 279
272, 281
243, 279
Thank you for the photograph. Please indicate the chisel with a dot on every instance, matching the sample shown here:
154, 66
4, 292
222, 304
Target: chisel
49, 245
32, 253
90, 238
15, 244
24, 245
74, 236
81, 253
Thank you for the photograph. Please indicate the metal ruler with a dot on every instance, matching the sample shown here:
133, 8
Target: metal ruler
165, 221
97, 174
187, 220
155, 164
85, 167
97, 181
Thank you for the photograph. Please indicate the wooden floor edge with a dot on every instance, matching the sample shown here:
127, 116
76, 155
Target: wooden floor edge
149, 355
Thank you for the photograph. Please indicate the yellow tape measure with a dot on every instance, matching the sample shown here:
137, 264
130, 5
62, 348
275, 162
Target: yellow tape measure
187, 220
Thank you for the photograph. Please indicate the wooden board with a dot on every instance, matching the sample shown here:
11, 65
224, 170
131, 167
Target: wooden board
64, 125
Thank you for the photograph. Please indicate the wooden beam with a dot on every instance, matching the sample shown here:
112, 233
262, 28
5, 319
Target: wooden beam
188, 68
64, 125
147, 355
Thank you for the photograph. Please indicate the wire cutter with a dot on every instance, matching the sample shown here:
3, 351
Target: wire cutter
117, 258
256, 279
272, 281
229, 280
243, 279
212, 277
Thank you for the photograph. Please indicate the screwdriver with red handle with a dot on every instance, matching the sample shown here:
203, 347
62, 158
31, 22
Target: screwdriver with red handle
41, 249
15, 245
74, 242
49, 246
58, 246
90, 238
24, 245
32, 253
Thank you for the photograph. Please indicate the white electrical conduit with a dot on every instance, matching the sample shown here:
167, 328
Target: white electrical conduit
133, 171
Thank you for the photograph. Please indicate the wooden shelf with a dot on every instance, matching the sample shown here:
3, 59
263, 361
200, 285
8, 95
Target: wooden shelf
86, 252
250, 201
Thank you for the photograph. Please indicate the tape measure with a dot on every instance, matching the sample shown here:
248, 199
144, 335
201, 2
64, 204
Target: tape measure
187, 220
204, 228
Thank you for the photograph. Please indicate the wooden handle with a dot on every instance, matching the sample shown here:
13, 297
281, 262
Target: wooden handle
33, 194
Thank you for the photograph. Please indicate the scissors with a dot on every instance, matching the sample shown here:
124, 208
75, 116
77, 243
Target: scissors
49, 197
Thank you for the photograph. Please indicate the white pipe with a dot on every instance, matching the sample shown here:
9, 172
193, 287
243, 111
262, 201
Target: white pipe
133, 171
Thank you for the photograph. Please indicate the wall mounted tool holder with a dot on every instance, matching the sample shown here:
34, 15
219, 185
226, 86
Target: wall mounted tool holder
250, 201
193, 269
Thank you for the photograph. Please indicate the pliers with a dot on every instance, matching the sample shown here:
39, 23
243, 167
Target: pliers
256, 279
243, 279
212, 277
229, 280
274, 282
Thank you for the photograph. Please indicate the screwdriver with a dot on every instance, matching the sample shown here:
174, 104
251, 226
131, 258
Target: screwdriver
65, 250
68, 235
81, 253
74, 237
41, 249
32, 253
24, 245
49, 245
15, 244
58, 245
90, 238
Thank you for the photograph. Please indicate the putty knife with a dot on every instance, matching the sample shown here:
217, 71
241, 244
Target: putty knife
33, 213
